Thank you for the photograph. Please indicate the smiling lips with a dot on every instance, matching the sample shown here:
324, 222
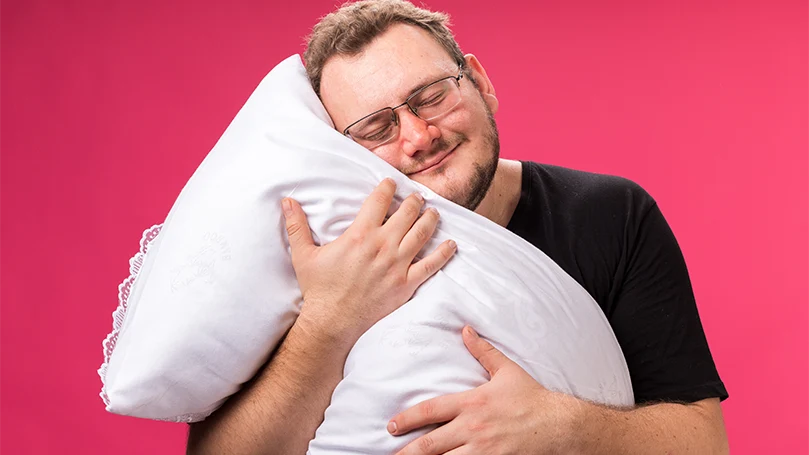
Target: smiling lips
435, 164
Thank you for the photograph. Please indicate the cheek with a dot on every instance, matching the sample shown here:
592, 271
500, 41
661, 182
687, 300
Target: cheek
389, 154
461, 118
468, 119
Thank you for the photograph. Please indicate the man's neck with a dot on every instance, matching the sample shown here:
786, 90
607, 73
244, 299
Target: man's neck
504, 193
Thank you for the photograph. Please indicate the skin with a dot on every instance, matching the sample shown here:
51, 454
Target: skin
279, 411
466, 176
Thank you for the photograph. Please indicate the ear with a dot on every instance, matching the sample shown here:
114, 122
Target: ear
484, 84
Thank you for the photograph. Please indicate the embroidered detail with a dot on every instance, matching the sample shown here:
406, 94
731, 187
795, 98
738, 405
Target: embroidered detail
201, 266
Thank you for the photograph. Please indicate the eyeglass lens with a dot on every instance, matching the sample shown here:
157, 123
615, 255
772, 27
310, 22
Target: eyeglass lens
429, 103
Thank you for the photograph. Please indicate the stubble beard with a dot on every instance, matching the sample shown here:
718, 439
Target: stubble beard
483, 175
471, 193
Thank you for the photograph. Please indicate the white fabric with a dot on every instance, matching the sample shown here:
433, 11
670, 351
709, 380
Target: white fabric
216, 290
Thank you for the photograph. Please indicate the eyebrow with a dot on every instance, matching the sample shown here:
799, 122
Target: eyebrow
421, 84
423, 81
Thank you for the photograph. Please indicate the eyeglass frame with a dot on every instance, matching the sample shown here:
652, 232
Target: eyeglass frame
407, 103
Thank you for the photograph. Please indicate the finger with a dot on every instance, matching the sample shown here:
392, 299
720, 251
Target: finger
402, 220
438, 441
420, 271
465, 449
489, 357
435, 410
376, 205
300, 236
419, 234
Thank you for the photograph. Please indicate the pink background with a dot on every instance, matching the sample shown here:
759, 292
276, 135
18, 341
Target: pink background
108, 107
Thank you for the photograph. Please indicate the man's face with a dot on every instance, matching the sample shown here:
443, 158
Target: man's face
455, 154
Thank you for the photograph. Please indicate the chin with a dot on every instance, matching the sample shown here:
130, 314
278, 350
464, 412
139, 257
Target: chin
464, 183
468, 173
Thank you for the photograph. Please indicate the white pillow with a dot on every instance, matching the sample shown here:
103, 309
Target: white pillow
216, 290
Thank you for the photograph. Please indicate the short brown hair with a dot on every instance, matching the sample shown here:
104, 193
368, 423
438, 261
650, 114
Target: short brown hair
355, 24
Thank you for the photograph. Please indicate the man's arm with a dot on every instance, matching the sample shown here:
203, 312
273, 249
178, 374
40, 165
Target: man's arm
279, 411
347, 286
660, 428
513, 413
655, 319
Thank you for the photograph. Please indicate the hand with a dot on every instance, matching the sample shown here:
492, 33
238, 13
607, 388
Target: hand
368, 272
510, 414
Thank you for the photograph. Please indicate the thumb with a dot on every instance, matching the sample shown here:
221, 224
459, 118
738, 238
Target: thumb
489, 357
300, 236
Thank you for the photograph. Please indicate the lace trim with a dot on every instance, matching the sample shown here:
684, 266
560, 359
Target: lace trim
118, 315
108, 345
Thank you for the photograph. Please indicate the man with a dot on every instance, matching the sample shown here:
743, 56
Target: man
370, 63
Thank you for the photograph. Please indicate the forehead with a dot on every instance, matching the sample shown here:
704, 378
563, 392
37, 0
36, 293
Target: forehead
397, 62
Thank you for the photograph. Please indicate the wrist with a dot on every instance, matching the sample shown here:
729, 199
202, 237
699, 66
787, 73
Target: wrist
573, 427
593, 428
325, 329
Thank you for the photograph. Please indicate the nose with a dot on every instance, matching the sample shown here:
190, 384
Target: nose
415, 133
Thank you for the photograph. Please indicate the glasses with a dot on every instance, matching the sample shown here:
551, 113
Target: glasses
427, 103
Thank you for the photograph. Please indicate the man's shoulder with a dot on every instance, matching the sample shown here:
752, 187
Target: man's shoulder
578, 181
574, 188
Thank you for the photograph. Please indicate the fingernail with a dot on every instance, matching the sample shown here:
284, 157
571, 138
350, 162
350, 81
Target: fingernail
390, 180
392, 427
286, 205
452, 244
471, 332
419, 197
436, 211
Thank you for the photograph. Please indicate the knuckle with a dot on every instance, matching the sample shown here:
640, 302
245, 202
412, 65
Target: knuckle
426, 443
410, 208
476, 426
427, 409
385, 250
389, 263
382, 261
428, 267
380, 198
356, 236
399, 283
422, 234
293, 228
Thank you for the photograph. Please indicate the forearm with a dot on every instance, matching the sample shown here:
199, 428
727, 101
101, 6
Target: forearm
279, 411
665, 428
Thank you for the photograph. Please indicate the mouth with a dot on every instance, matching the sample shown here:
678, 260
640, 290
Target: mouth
437, 162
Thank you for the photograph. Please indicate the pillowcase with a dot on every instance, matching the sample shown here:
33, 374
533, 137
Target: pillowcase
212, 290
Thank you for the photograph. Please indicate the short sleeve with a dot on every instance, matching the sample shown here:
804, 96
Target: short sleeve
655, 318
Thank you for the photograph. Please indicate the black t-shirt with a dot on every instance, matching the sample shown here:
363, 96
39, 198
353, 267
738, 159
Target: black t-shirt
609, 235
